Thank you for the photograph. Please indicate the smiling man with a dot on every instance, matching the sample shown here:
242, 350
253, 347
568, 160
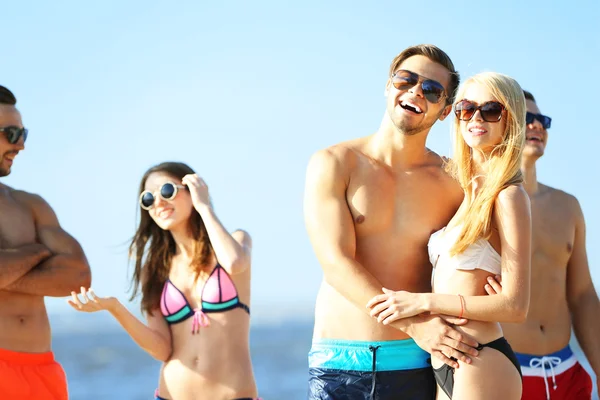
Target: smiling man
370, 206
37, 259
562, 291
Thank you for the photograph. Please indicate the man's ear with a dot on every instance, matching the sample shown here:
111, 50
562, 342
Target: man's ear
388, 85
447, 110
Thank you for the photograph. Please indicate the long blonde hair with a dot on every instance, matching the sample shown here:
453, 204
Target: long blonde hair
504, 161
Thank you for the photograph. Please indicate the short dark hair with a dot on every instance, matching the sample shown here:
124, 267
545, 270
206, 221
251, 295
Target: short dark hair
435, 54
528, 95
7, 97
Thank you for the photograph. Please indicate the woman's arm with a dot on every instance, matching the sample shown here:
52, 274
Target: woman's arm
512, 215
231, 250
155, 338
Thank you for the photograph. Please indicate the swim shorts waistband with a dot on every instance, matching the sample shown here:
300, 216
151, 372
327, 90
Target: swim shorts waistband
535, 365
16, 357
351, 355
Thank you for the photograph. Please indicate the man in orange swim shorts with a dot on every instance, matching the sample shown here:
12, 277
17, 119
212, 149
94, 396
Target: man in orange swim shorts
37, 259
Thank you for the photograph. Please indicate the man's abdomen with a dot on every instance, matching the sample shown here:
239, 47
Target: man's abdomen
24, 324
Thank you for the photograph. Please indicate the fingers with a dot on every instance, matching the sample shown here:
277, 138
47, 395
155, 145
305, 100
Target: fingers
85, 303
455, 356
460, 341
385, 313
72, 304
193, 179
395, 316
377, 299
438, 354
75, 300
375, 311
489, 290
494, 284
454, 320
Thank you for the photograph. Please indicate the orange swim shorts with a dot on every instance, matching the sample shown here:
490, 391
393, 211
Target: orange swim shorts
31, 376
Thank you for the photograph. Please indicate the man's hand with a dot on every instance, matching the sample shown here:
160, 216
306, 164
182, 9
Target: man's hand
494, 285
436, 335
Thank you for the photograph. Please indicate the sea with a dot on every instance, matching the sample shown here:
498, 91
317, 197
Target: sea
102, 362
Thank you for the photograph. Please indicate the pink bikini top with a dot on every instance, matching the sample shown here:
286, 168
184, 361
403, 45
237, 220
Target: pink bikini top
219, 294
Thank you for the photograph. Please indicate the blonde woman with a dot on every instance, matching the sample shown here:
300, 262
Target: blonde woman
489, 235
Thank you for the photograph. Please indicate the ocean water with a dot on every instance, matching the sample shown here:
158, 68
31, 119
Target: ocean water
101, 361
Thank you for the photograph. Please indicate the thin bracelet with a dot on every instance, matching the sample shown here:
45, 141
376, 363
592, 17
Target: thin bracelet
462, 305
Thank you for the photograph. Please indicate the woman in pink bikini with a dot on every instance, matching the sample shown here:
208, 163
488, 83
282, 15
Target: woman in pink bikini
195, 283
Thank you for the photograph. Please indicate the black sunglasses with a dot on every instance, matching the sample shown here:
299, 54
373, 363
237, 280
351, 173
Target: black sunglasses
167, 192
13, 133
544, 120
432, 90
491, 111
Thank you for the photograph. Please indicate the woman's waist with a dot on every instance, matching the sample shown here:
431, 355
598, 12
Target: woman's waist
458, 281
202, 375
482, 331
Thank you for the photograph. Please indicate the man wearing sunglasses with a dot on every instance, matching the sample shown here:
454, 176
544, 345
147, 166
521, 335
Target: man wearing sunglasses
370, 206
37, 259
562, 291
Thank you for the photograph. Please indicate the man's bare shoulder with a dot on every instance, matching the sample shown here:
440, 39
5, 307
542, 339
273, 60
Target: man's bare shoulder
28, 198
557, 199
438, 167
34, 202
340, 157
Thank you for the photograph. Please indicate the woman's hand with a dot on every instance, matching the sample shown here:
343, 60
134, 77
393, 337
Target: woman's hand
392, 306
198, 190
90, 302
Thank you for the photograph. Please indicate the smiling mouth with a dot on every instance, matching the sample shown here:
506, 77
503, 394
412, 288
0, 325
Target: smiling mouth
164, 213
411, 108
534, 139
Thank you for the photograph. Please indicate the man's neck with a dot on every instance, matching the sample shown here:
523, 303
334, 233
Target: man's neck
396, 149
530, 182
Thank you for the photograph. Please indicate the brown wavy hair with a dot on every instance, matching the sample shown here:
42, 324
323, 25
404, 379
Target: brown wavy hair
153, 248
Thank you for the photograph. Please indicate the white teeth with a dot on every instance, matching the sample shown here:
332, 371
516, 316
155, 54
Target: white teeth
417, 108
164, 213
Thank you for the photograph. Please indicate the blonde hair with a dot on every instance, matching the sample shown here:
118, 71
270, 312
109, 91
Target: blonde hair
504, 161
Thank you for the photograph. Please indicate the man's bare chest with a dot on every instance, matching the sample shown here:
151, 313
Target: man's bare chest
553, 235
17, 226
385, 205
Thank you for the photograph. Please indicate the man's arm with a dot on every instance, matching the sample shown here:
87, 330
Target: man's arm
331, 230
67, 269
14, 263
582, 296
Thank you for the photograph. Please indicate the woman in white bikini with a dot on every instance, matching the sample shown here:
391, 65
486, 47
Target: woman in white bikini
489, 235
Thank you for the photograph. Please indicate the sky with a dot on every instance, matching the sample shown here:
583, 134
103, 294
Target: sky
244, 92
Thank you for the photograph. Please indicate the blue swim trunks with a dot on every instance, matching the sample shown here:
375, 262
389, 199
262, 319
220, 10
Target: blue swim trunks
357, 370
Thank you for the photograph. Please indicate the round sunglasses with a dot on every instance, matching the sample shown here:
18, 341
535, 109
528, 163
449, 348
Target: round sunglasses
13, 133
167, 192
490, 111
433, 91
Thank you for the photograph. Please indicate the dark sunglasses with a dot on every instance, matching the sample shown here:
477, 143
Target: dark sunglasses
167, 192
544, 120
432, 90
490, 111
13, 133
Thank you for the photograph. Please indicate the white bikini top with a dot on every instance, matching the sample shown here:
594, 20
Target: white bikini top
479, 255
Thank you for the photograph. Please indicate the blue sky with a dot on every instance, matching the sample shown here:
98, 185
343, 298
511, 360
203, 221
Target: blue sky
245, 92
